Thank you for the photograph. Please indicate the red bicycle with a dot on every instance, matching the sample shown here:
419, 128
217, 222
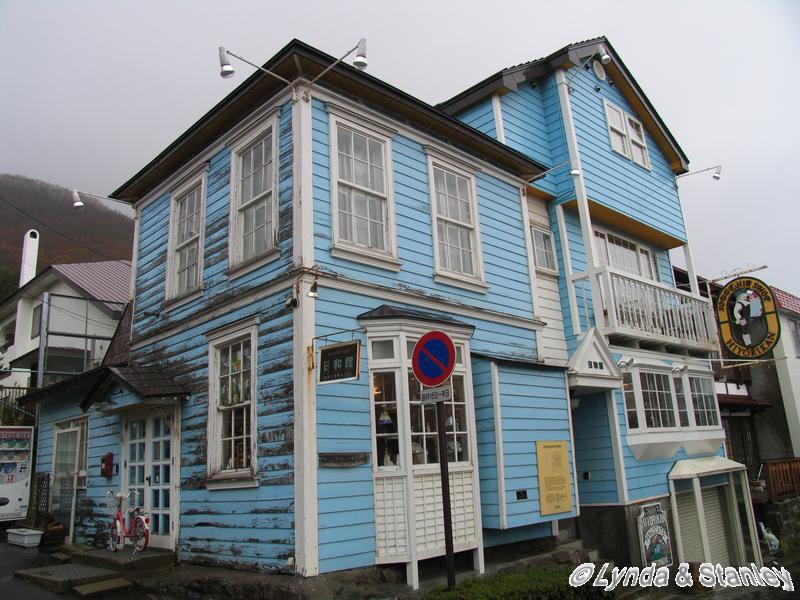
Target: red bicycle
138, 529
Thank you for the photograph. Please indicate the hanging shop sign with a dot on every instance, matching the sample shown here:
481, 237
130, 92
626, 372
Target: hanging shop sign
748, 321
552, 463
433, 359
654, 535
340, 362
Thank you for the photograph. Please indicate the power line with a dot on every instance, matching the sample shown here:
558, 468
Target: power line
61, 233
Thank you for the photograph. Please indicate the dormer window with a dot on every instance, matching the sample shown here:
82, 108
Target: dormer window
627, 135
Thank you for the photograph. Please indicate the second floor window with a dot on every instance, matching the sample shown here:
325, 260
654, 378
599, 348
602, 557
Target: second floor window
185, 253
625, 255
544, 255
254, 203
455, 229
36, 321
362, 207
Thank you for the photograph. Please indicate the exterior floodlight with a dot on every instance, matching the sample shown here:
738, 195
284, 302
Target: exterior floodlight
717, 172
77, 203
605, 58
575, 172
225, 68
360, 61
312, 291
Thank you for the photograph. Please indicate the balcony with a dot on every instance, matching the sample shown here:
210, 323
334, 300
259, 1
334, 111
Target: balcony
646, 311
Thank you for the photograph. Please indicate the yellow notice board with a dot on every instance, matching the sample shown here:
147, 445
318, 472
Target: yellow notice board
555, 495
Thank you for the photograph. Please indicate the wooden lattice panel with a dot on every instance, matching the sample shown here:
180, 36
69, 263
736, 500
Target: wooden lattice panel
390, 516
428, 510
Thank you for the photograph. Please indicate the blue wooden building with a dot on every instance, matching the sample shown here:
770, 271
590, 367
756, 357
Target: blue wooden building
530, 218
644, 412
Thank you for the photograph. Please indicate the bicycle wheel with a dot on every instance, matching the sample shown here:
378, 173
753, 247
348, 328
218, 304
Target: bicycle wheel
141, 534
116, 537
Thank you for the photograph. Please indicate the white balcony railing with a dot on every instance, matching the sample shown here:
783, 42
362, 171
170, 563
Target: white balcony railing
643, 309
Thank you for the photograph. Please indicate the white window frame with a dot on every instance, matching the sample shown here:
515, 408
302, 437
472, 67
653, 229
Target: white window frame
269, 126
627, 135
552, 248
600, 235
220, 477
82, 424
191, 181
671, 374
477, 281
340, 248
403, 335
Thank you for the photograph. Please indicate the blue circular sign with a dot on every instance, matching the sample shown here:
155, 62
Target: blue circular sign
434, 358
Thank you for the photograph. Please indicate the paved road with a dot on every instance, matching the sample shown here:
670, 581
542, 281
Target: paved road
13, 558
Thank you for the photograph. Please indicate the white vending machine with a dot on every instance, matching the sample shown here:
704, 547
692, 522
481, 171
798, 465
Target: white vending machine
16, 445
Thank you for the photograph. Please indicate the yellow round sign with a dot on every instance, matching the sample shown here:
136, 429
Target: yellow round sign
748, 322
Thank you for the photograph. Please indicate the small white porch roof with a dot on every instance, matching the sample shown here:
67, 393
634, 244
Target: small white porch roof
688, 468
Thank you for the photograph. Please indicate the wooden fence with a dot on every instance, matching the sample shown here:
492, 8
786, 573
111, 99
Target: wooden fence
783, 478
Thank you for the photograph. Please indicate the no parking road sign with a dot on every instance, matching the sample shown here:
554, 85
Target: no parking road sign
434, 358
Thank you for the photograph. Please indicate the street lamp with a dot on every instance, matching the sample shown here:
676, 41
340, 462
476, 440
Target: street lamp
716, 175
226, 70
79, 205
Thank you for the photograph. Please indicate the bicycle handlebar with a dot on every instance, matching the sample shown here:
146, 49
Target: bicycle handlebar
112, 492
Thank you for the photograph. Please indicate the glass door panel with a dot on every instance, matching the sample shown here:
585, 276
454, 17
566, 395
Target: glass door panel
65, 473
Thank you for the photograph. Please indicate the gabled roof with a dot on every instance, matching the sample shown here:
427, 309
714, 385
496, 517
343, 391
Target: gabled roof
386, 311
106, 280
299, 60
571, 55
786, 301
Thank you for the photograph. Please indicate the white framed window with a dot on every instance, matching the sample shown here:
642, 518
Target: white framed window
36, 321
627, 135
232, 400
669, 400
544, 253
81, 424
186, 234
638, 142
395, 399
254, 196
456, 236
704, 401
362, 203
625, 255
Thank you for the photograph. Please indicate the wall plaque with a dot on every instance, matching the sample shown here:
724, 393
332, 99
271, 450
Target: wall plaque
555, 493
343, 460
340, 362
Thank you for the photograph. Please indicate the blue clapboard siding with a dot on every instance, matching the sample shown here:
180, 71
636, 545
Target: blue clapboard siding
249, 528
647, 478
92, 512
534, 407
593, 451
481, 117
500, 220
487, 441
611, 179
150, 315
345, 496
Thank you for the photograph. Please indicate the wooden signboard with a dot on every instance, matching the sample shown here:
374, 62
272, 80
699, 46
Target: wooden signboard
555, 494
340, 362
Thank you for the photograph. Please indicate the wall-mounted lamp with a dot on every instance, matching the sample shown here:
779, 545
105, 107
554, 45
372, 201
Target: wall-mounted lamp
78, 204
717, 175
600, 52
226, 70
313, 290
681, 369
291, 302
626, 363
573, 172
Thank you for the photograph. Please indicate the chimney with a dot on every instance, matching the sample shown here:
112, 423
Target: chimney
30, 255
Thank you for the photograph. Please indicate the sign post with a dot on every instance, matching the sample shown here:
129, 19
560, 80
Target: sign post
433, 361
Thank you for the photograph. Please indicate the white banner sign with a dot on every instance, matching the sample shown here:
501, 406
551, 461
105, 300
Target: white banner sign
443, 393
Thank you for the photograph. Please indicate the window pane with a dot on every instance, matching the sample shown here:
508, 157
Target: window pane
680, 399
384, 391
382, 349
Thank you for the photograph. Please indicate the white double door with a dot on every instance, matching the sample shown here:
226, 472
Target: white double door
150, 447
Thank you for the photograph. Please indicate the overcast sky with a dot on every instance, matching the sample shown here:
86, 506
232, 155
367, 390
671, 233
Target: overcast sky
93, 90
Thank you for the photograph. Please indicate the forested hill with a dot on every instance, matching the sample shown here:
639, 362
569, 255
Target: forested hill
66, 235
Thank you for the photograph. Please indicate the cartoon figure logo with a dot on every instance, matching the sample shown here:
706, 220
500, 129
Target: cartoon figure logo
748, 324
